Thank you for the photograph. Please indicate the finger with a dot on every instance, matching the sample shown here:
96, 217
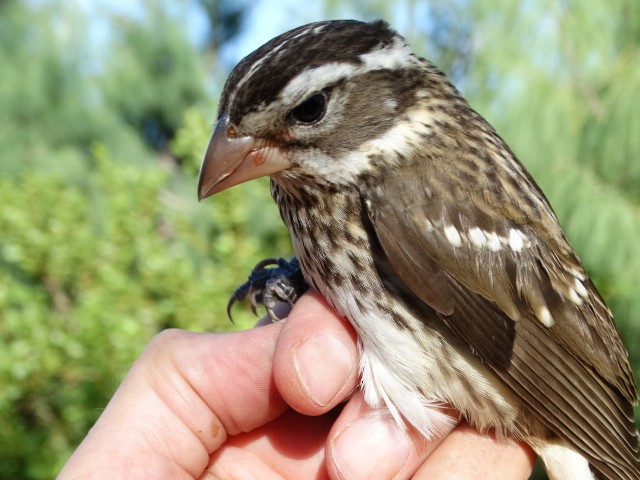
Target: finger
316, 359
468, 454
292, 446
368, 443
181, 399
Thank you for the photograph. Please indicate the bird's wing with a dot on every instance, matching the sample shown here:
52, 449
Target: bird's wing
520, 300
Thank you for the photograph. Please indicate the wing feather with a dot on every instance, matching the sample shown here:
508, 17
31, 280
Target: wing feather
514, 300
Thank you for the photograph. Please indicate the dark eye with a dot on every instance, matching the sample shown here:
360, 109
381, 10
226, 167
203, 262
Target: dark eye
311, 110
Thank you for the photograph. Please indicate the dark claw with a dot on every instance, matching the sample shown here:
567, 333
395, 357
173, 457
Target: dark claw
269, 286
243, 290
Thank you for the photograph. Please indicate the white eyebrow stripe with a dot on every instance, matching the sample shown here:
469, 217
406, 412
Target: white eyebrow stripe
393, 56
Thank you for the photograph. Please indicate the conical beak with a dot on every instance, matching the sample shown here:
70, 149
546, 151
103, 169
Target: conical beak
232, 159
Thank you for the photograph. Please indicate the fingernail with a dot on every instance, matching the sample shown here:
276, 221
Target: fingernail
374, 446
324, 364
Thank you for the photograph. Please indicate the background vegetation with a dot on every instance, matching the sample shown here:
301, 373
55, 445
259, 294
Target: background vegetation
104, 114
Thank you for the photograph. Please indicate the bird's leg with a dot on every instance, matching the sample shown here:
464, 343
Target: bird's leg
269, 285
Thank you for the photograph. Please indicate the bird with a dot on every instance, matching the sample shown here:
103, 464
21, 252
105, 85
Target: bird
416, 222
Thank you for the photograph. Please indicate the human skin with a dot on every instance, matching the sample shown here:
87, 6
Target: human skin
274, 402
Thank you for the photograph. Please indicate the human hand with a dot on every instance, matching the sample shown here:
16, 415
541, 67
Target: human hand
265, 403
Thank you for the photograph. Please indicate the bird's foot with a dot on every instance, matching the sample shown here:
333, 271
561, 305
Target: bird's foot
270, 285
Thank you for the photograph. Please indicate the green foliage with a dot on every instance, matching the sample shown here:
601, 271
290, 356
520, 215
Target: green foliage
50, 112
151, 60
102, 242
226, 16
88, 276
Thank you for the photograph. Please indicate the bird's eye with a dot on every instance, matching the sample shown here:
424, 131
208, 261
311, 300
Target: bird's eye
311, 110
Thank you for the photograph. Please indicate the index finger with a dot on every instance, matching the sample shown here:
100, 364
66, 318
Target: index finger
181, 399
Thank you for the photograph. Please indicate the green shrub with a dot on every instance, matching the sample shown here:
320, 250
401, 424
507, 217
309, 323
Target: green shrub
89, 273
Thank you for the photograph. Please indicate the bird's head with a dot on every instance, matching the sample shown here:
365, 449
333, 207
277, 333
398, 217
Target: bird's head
324, 101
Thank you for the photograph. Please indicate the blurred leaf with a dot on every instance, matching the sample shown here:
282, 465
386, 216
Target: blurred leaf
153, 73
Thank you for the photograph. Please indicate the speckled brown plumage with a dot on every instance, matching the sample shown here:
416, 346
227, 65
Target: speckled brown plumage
415, 220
